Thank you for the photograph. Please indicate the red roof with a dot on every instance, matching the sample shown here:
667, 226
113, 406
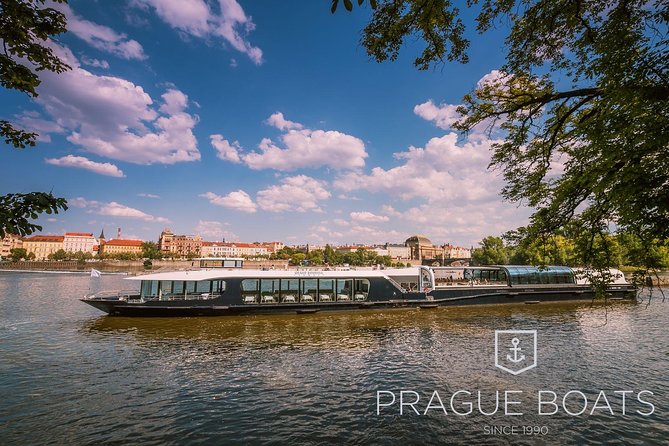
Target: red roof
45, 238
117, 242
78, 234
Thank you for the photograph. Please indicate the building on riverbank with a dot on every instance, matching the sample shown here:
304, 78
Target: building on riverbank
9, 242
118, 246
79, 242
43, 245
179, 245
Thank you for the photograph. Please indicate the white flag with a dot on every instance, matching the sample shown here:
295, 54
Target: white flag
95, 273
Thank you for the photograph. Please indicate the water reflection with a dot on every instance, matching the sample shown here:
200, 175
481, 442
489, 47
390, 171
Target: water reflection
88, 379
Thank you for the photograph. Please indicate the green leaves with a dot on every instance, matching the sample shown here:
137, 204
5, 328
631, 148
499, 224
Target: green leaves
16, 210
25, 27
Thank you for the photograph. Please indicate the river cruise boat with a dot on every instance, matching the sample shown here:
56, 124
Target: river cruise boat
219, 290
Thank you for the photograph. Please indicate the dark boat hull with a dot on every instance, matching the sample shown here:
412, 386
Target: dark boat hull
436, 298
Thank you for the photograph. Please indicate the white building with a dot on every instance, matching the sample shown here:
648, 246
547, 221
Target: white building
226, 249
398, 252
79, 241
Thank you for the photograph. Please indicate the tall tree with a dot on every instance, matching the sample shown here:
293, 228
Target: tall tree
491, 252
25, 27
582, 104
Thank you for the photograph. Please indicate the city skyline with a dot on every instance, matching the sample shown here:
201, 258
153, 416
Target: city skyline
240, 120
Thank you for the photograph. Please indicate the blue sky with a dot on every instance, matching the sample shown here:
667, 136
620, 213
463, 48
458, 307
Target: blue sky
254, 121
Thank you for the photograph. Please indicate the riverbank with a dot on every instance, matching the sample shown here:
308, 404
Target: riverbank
125, 266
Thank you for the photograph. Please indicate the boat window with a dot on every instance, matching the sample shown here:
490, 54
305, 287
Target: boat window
149, 289
203, 286
250, 291
290, 290
344, 290
309, 290
269, 291
361, 289
218, 286
326, 290
178, 287
165, 287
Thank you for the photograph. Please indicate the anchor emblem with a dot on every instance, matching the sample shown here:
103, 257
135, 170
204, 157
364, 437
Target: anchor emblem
515, 349
510, 356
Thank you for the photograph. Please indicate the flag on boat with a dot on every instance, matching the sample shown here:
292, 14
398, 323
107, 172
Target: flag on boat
95, 273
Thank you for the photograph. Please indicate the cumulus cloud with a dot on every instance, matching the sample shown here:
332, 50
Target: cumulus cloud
101, 37
443, 115
214, 230
307, 148
277, 120
81, 162
95, 63
117, 119
237, 200
197, 18
225, 150
368, 217
32, 121
356, 233
299, 193
442, 171
113, 209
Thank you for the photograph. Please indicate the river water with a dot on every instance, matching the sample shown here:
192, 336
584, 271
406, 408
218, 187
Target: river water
70, 375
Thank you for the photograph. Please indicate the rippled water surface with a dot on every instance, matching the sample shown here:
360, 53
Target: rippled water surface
69, 375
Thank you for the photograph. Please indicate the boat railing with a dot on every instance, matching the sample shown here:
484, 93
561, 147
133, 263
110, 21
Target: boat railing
113, 295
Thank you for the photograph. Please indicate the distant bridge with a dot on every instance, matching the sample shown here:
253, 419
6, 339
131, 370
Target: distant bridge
463, 261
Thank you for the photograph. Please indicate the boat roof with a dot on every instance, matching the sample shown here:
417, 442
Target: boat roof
217, 273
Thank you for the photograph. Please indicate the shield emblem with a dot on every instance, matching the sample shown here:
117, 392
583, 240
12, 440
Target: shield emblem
515, 350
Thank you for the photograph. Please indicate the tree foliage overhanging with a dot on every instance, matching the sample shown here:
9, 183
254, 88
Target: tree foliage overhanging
581, 104
25, 27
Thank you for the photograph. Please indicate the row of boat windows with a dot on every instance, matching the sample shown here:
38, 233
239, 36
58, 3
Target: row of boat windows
259, 291
532, 276
168, 289
471, 277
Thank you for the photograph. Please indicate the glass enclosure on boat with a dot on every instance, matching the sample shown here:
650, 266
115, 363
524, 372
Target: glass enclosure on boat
291, 291
181, 290
532, 275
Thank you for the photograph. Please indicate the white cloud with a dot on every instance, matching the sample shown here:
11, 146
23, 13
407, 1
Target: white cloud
356, 233
389, 210
81, 162
32, 121
299, 193
95, 63
145, 195
196, 18
443, 115
113, 209
115, 118
237, 200
307, 148
492, 78
368, 217
101, 37
225, 150
214, 230
442, 171
277, 120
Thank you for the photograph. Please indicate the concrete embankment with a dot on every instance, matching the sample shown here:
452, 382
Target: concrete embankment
128, 266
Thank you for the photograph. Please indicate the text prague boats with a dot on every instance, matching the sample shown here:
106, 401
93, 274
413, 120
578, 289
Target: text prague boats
223, 287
